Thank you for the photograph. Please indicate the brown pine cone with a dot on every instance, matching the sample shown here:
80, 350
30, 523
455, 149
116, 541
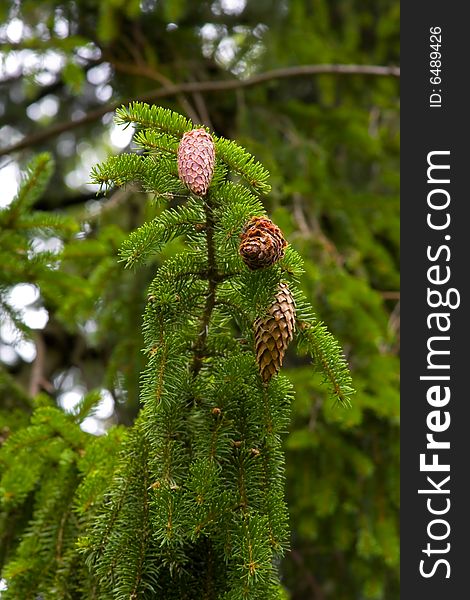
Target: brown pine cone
274, 332
196, 160
261, 243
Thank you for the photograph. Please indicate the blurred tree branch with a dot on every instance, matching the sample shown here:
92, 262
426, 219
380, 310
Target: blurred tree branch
199, 87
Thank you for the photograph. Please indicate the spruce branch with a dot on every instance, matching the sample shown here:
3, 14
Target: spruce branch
37, 371
326, 351
135, 593
118, 170
212, 276
34, 181
243, 164
153, 117
192, 503
150, 238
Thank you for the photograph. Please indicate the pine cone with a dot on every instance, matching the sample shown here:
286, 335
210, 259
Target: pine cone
274, 332
196, 159
261, 243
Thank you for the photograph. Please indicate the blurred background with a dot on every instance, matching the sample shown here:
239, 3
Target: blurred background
72, 323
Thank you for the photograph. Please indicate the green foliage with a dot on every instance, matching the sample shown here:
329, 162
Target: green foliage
149, 239
52, 476
154, 118
240, 161
19, 226
201, 473
24, 260
331, 144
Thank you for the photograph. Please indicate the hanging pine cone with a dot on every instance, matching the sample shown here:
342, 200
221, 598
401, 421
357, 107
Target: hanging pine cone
261, 243
274, 332
196, 159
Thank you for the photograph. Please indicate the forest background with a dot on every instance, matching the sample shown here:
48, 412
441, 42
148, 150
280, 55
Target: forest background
311, 89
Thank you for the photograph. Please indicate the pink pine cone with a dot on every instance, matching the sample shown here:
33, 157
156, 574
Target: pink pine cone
196, 159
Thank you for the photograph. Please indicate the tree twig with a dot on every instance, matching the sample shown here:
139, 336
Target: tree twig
199, 87
200, 343
390, 295
309, 576
146, 71
37, 379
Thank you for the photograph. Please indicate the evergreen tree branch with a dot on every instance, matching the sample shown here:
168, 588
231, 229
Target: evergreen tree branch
144, 537
323, 347
195, 506
212, 277
199, 87
36, 177
60, 535
37, 380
